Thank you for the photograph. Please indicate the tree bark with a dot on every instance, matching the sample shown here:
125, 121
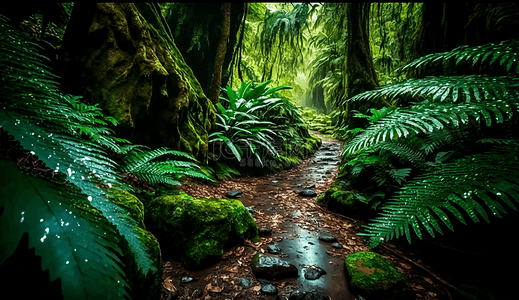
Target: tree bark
360, 72
214, 91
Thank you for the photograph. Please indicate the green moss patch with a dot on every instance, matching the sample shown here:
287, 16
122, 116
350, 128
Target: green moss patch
197, 229
370, 272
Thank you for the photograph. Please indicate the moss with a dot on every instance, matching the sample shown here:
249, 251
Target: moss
197, 229
129, 202
369, 271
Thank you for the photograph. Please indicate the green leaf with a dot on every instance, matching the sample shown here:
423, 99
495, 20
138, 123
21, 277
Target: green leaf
77, 246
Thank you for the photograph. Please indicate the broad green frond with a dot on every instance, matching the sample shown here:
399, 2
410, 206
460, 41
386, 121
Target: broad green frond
431, 117
446, 88
504, 54
474, 185
33, 112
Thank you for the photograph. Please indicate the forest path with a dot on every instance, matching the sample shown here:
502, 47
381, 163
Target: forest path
296, 223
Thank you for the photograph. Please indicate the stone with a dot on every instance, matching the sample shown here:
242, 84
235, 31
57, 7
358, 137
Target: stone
264, 231
269, 289
273, 249
336, 245
327, 238
314, 272
376, 276
281, 298
308, 193
271, 267
233, 193
245, 282
307, 295
186, 279
251, 210
196, 229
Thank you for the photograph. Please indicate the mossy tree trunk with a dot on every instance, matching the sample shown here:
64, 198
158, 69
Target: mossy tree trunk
123, 57
214, 91
360, 72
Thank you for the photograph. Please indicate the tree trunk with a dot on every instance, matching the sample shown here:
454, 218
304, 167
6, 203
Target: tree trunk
122, 56
360, 72
214, 91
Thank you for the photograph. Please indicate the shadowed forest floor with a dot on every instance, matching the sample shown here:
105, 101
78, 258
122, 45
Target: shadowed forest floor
296, 223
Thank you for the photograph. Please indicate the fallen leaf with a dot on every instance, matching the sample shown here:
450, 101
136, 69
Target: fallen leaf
213, 289
428, 280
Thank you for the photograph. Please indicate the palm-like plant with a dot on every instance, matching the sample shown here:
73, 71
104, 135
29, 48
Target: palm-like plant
242, 125
467, 124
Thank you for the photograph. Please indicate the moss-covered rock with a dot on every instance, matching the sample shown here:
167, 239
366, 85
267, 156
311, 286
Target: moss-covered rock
197, 229
144, 286
375, 276
342, 199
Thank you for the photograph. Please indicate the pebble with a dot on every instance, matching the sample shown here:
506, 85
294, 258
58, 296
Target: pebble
308, 193
327, 238
186, 279
269, 289
274, 249
245, 282
233, 193
265, 231
336, 245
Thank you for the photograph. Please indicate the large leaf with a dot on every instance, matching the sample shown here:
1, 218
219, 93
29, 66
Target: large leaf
77, 246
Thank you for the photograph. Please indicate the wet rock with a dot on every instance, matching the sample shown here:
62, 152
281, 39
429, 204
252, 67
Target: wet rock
327, 238
269, 289
336, 245
314, 273
233, 193
307, 295
265, 231
251, 209
376, 277
273, 249
281, 298
186, 279
245, 282
271, 267
308, 193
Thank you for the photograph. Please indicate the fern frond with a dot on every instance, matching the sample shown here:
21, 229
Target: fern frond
504, 53
32, 112
432, 117
446, 88
468, 184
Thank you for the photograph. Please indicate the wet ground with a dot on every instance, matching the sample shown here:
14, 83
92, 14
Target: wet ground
296, 223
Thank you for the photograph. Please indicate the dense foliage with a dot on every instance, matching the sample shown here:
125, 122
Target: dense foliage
449, 147
69, 219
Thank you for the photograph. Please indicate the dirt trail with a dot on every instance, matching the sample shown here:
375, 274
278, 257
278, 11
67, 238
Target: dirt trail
296, 224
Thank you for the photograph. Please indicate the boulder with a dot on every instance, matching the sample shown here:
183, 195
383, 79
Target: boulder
197, 229
376, 277
271, 267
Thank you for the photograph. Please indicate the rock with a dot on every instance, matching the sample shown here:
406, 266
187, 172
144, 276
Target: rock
245, 282
281, 298
271, 267
196, 229
186, 279
308, 193
269, 289
336, 245
233, 193
376, 276
307, 295
274, 249
327, 238
314, 273
251, 210
265, 231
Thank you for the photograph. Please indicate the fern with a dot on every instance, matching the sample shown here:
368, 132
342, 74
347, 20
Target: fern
505, 54
35, 113
462, 184
457, 146
141, 164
